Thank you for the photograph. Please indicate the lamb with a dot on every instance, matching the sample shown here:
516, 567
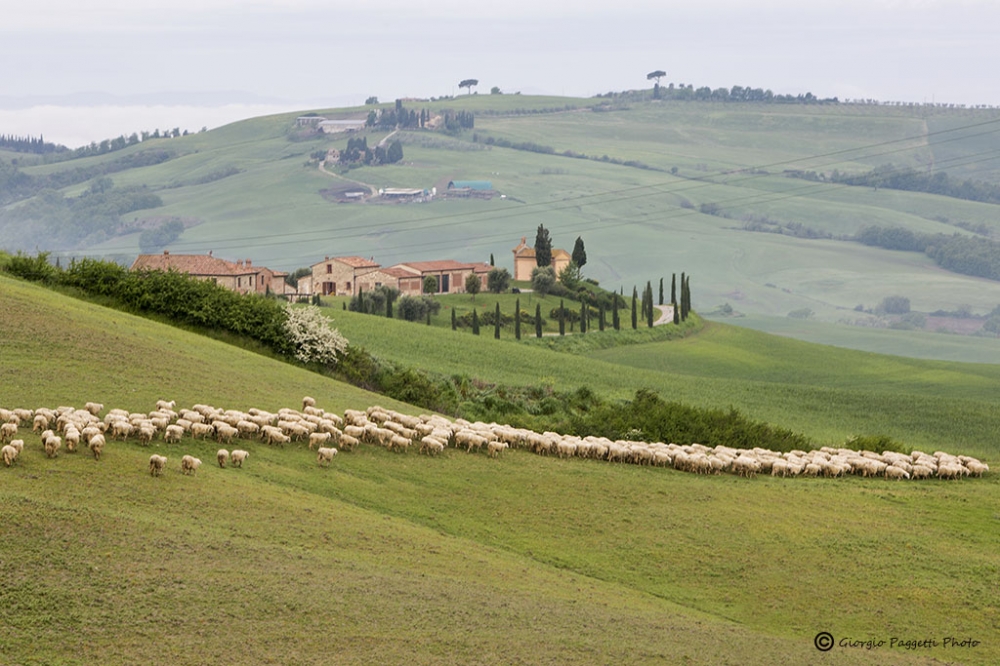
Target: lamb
156, 464
190, 464
222, 456
496, 448
96, 446
325, 455
238, 456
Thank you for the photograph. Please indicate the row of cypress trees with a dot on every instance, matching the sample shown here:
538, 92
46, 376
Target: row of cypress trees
681, 311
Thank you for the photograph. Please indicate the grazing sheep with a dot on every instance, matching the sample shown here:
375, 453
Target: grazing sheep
72, 438
893, 472
496, 448
94, 407
165, 404
189, 464
222, 456
317, 439
225, 433
238, 456
96, 446
977, 468
325, 455
308, 402
348, 442
52, 446
431, 445
7, 431
9, 454
156, 464
173, 433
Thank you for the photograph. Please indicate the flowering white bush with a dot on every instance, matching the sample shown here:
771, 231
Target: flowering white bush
313, 337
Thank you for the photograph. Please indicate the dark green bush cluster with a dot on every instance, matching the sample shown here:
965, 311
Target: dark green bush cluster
648, 417
968, 255
174, 295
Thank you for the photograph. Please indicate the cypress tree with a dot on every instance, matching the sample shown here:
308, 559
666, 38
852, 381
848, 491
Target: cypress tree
649, 312
491, 259
635, 313
538, 320
388, 305
677, 314
543, 247
361, 299
475, 322
673, 289
583, 317
600, 315
661, 292
428, 317
496, 325
517, 319
683, 300
562, 318
615, 319
454, 320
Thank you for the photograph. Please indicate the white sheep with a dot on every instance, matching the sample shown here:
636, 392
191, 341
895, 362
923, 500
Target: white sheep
96, 446
238, 456
190, 464
93, 407
8, 431
52, 446
893, 472
222, 456
156, 464
317, 439
166, 404
308, 402
495, 448
10, 453
173, 433
348, 442
325, 455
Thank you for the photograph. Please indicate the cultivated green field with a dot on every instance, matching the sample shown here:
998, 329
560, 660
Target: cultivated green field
397, 558
639, 223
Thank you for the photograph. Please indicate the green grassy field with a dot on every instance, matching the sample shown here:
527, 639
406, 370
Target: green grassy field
392, 558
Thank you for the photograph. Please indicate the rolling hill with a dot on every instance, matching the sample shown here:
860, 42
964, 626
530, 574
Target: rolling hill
398, 558
653, 188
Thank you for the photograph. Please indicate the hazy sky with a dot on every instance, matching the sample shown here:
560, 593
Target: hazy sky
309, 53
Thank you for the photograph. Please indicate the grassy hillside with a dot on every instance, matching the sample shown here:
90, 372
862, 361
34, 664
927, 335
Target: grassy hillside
639, 223
460, 559
824, 392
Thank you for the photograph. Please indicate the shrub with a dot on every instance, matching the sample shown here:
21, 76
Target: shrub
543, 279
312, 337
416, 308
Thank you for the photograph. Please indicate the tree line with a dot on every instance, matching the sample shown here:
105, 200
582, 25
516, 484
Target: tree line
688, 92
910, 180
357, 151
968, 255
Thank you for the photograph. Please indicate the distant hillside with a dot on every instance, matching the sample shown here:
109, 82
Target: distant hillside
653, 187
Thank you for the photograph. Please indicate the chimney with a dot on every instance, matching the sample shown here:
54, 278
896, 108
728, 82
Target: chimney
166, 253
248, 263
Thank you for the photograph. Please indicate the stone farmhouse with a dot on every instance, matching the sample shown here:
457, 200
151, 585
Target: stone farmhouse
240, 276
525, 262
337, 276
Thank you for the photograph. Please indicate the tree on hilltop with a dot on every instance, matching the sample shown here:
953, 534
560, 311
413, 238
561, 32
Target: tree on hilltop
543, 247
658, 74
579, 253
468, 83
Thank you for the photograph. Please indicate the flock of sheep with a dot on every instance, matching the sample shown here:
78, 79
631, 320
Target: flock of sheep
431, 435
